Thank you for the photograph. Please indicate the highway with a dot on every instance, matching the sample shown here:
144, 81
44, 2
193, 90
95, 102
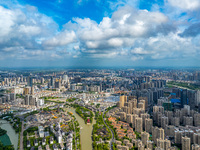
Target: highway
113, 137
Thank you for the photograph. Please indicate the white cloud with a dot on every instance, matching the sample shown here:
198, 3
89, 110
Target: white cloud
134, 58
140, 51
76, 47
115, 42
185, 4
61, 39
29, 30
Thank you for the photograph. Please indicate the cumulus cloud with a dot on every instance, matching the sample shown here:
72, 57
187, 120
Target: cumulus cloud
63, 38
129, 33
22, 29
120, 31
185, 4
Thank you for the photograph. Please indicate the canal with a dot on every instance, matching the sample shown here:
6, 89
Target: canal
10, 132
86, 131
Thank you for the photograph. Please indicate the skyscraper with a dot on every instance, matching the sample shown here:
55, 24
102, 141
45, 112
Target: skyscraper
52, 81
183, 97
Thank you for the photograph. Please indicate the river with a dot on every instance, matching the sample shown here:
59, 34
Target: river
86, 131
10, 132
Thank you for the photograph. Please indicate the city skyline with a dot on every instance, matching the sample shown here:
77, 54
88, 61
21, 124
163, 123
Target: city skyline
92, 33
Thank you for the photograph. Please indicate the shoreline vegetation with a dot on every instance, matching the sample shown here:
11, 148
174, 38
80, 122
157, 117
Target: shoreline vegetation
5, 142
84, 113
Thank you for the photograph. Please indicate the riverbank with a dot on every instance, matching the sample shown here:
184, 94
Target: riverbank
84, 113
12, 135
86, 131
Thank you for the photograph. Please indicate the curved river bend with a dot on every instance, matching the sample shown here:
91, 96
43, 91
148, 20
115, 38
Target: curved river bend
10, 132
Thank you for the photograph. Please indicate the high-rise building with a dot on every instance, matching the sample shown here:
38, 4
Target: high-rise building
188, 121
42, 80
164, 122
169, 130
141, 105
186, 143
176, 121
150, 145
30, 81
122, 116
122, 100
148, 125
8, 98
167, 144
144, 116
129, 118
192, 98
157, 133
26, 90
160, 143
52, 81
26, 99
197, 120
32, 100
178, 136
32, 90
134, 120
144, 137
12, 96
65, 78
183, 97
58, 84
138, 125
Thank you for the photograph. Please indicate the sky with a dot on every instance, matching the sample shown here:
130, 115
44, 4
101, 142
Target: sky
98, 33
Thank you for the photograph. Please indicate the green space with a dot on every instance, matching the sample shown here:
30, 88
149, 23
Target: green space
74, 126
51, 89
100, 131
84, 113
52, 101
185, 85
19, 96
50, 97
71, 99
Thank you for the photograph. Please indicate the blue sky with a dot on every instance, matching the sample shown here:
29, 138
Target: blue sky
99, 33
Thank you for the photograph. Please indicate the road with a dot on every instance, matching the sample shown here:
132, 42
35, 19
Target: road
21, 136
113, 137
